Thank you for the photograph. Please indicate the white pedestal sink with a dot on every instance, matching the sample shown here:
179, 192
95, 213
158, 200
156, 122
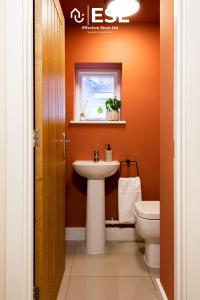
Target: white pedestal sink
95, 172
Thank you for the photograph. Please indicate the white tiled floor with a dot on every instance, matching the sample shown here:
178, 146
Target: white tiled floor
120, 274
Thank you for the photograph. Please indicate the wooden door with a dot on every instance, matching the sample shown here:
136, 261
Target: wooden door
49, 155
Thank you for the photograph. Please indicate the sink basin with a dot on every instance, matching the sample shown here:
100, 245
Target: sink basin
95, 170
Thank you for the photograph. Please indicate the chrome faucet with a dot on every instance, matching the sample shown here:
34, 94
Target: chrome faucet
96, 156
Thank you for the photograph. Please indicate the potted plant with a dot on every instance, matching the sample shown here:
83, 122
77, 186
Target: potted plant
113, 106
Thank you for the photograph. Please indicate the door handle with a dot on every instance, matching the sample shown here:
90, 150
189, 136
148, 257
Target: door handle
65, 142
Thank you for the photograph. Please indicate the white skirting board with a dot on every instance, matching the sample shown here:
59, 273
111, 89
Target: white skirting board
160, 291
112, 234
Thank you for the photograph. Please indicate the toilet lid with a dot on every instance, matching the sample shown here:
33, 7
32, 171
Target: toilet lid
148, 209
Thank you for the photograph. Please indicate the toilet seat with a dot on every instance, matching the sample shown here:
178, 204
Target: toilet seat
149, 210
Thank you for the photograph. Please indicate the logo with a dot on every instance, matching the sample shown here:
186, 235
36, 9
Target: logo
76, 15
96, 15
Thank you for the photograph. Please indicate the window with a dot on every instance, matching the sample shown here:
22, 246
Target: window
93, 88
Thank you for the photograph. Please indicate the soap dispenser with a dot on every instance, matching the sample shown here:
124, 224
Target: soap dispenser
108, 156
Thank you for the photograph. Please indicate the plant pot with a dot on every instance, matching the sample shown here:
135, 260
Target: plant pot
112, 115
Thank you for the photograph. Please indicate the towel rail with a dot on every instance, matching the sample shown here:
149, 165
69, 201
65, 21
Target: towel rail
118, 224
128, 163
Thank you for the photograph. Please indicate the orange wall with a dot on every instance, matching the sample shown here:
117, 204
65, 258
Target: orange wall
166, 148
137, 48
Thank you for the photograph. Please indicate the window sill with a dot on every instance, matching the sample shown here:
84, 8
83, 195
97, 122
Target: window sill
98, 122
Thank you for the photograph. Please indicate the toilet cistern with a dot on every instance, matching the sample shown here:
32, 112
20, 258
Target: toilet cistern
95, 172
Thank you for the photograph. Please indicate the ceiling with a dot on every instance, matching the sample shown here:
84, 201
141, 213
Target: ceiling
149, 11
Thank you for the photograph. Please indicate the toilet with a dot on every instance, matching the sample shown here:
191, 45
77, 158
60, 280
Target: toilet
147, 222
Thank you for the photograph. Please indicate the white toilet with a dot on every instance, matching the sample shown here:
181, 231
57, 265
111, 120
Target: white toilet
147, 223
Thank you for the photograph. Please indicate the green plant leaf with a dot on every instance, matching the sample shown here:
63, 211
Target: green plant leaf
113, 104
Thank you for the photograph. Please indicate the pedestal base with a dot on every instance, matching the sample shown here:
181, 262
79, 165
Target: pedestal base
95, 220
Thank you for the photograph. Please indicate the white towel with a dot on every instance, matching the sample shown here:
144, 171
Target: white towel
129, 192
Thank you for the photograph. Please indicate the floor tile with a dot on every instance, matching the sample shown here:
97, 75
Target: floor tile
70, 248
154, 272
119, 260
126, 247
111, 288
63, 288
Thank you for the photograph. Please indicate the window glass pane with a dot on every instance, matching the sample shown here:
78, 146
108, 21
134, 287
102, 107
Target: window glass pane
95, 91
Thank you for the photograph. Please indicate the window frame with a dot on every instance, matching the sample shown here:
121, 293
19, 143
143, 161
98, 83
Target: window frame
116, 73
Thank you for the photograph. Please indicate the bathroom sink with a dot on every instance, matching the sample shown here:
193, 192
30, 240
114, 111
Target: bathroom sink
95, 170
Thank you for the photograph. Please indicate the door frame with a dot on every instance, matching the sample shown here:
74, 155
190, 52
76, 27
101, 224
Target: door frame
16, 145
187, 149
2, 154
179, 151
16, 156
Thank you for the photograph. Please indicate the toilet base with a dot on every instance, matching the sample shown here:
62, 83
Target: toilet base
152, 254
